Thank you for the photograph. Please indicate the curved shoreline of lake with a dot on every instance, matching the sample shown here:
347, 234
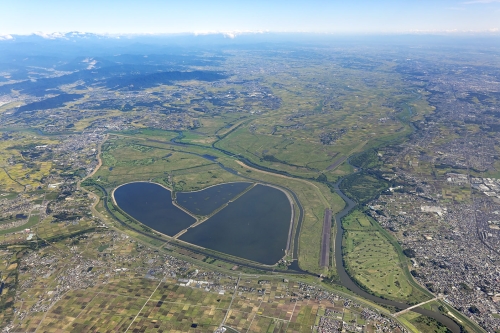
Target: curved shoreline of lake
346, 280
208, 200
152, 205
255, 226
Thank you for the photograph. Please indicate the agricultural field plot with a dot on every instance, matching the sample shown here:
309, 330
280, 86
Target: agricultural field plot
32, 177
455, 194
139, 303
50, 229
17, 171
373, 261
9, 264
8, 183
142, 304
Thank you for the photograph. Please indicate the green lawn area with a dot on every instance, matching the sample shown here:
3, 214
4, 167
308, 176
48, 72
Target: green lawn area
374, 262
423, 323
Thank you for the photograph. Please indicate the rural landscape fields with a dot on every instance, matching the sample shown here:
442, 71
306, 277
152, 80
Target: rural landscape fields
249, 160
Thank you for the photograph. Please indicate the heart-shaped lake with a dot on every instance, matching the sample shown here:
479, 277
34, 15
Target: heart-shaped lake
251, 221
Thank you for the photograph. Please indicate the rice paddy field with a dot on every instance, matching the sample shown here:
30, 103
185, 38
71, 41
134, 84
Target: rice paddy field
146, 305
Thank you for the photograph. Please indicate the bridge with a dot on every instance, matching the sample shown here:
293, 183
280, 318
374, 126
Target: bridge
416, 306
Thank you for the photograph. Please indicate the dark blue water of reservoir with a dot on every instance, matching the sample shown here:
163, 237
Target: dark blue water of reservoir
151, 204
206, 201
254, 227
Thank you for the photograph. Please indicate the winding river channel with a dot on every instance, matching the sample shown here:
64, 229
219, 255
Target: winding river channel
345, 279
347, 282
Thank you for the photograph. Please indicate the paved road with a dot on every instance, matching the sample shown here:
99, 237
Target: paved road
324, 260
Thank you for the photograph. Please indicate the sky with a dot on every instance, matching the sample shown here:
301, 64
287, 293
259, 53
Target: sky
203, 16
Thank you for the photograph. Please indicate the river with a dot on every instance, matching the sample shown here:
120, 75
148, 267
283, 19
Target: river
345, 279
347, 282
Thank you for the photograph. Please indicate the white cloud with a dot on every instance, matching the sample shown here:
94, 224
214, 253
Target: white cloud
52, 35
492, 31
228, 34
6, 37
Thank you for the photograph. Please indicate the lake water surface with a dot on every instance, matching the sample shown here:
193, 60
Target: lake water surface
206, 201
151, 204
254, 227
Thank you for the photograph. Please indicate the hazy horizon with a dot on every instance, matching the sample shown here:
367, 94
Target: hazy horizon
195, 16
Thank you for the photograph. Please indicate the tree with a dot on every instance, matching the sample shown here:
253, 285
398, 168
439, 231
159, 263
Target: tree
410, 253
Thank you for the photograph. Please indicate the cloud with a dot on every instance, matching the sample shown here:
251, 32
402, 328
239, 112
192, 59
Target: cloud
458, 32
6, 37
228, 34
53, 35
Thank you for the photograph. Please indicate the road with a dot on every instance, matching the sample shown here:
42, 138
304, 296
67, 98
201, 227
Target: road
324, 260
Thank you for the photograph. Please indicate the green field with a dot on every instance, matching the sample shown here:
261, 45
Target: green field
128, 159
367, 160
132, 158
364, 186
33, 220
374, 262
423, 323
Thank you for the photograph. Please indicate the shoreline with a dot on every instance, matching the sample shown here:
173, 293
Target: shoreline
199, 221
